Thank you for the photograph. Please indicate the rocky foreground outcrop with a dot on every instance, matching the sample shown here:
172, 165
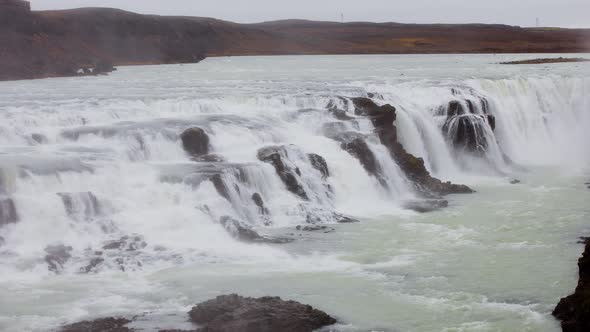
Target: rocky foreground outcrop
231, 313
574, 311
266, 314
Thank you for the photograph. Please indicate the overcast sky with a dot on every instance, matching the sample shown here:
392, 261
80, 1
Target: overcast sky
562, 13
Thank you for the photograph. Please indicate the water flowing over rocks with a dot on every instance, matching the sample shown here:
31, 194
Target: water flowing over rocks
318, 162
81, 206
383, 118
195, 141
467, 122
266, 314
574, 311
426, 205
276, 155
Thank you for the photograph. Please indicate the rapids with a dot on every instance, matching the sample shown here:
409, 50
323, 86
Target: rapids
94, 168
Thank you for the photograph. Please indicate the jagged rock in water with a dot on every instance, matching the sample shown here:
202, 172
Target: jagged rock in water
244, 232
426, 205
318, 162
92, 265
81, 205
329, 217
126, 243
266, 314
514, 181
39, 139
574, 311
8, 213
195, 141
57, 256
257, 199
274, 155
109, 324
383, 119
325, 229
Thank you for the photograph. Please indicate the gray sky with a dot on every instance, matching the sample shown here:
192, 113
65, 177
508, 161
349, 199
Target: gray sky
562, 13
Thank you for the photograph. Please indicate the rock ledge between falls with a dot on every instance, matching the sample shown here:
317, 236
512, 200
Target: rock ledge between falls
228, 313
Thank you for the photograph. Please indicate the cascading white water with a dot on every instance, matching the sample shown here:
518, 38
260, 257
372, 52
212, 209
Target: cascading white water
101, 165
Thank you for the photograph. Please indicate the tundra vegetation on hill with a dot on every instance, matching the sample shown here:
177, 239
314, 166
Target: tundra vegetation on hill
36, 44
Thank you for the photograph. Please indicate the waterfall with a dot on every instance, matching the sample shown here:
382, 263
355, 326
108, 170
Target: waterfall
116, 170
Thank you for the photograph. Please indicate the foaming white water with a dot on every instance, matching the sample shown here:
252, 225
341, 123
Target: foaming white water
108, 177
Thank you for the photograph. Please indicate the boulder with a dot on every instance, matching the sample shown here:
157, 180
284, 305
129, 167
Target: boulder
274, 155
8, 213
514, 181
229, 313
195, 141
574, 311
57, 256
244, 232
109, 324
426, 205
39, 139
318, 162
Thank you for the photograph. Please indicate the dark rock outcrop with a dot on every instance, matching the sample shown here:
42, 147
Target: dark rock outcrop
514, 181
39, 139
383, 118
220, 186
574, 311
229, 313
109, 324
274, 155
243, 232
318, 162
195, 141
8, 213
57, 256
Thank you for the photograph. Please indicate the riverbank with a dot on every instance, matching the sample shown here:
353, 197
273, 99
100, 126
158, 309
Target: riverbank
38, 44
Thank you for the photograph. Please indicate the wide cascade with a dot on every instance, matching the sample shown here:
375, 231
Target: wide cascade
116, 183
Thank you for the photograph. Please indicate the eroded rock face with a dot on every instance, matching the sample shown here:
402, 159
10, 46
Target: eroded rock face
57, 256
274, 156
109, 324
195, 141
574, 311
229, 313
8, 213
244, 232
359, 149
